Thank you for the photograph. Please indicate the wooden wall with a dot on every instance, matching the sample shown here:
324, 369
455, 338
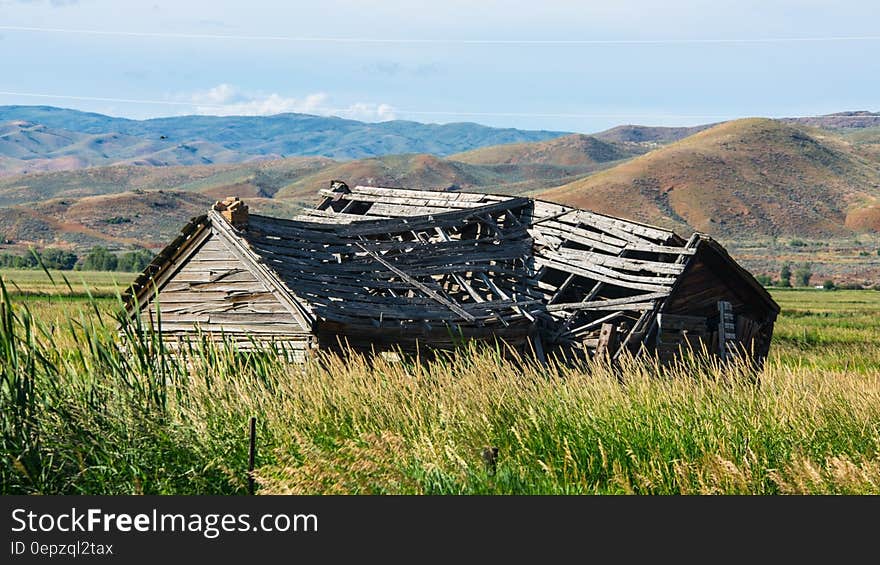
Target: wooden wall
214, 292
706, 281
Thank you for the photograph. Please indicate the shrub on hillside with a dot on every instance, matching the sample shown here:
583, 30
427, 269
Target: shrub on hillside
118, 220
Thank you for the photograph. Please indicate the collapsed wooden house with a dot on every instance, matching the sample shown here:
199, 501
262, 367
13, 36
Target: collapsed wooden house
380, 269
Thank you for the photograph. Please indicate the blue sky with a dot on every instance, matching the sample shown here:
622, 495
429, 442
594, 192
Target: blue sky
562, 65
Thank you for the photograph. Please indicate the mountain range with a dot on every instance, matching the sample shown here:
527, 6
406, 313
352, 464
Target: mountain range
77, 179
44, 138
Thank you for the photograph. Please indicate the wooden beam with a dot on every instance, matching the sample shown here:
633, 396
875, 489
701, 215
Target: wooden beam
561, 288
427, 290
619, 303
591, 325
503, 295
607, 344
651, 316
455, 276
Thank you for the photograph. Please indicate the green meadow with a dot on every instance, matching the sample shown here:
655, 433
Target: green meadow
88, 406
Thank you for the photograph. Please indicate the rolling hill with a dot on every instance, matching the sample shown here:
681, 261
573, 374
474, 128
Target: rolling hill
513, 168
120, 204
737, 180
123, 204
576, 150
839, 121
510, 168
649, 135
123, 220
221, 139
258, 178
741, 179
27, 147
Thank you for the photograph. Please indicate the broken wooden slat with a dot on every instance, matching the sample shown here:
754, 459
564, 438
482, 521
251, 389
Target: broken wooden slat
607, 341
436, 296
598, 274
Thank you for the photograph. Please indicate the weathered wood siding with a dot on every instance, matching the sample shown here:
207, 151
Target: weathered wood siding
707, 281
425, 339
703, 284
215, 293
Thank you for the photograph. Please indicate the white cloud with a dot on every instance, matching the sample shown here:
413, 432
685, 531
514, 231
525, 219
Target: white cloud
220, 94
368, 112
228, 100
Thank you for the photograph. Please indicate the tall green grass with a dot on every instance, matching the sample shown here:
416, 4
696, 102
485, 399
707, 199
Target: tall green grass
112, 412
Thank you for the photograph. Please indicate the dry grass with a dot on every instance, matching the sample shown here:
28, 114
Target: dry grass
392, 428
87, 412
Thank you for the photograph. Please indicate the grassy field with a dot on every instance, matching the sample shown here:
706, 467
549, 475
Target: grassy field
84, 411
35, 281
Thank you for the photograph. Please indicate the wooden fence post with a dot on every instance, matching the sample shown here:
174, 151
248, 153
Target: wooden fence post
252, 451
490, 459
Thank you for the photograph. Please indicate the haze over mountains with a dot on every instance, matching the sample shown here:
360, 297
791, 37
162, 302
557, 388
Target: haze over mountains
72, 178
44, 134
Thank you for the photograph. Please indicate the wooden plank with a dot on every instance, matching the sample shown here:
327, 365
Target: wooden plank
299, 311
580, 237
607, 342
267, 328
595, 274
622, 302
620, 262
726, 330
617, 227
222, 286
601, 306
429, 221
415, 201
327, 250
591, 325
679, 322
601, 221
328, 216
646, 322
435, 194
655, 248
403, 211
494, 288
458, 278
428, 291
557, 226
561, 288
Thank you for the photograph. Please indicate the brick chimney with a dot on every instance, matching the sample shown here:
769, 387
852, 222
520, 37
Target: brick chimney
234, 210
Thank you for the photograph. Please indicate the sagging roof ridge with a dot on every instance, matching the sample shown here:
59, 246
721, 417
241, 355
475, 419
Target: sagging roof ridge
451, 196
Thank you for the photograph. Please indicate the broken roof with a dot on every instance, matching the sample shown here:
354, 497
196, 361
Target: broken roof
370, 258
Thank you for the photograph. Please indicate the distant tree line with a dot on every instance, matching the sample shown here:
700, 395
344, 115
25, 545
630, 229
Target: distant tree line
802, 275
60, 259
97, 259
